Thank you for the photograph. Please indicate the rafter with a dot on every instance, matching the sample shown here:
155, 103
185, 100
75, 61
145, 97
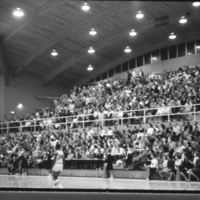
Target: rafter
102, 44
125, 58
48, 6
83, 53
60, 35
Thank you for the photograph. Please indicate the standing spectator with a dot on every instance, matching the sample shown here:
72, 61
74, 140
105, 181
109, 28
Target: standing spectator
152, 169
109, 165
195, 172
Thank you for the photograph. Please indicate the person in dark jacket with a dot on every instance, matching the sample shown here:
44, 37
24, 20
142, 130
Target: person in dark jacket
109, 165
195, 171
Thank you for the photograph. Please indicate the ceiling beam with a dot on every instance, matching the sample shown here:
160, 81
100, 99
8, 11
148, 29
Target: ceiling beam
16, 28
102, 44
73, 30
124, 58
83, 53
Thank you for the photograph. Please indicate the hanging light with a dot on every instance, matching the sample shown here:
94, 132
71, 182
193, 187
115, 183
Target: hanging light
154, 58
132, 33
93, 32
127, 50
196, 4
18, 12
54, 53
85, 7
91, 50
139, 15
12, 112
20, 106
172, 36
198, 47
183, 20
90, 68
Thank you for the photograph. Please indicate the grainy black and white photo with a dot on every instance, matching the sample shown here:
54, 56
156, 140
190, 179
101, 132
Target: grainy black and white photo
99, 99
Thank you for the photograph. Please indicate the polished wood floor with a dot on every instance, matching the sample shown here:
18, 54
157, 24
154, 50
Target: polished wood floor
43, 182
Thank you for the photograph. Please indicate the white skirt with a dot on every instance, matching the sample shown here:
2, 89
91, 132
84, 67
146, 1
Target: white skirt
57, 167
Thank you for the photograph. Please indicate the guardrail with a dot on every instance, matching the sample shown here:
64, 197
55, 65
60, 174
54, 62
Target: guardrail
120, 118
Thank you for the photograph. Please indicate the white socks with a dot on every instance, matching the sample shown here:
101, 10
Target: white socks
57, 184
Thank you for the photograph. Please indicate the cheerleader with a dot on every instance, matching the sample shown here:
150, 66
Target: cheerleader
57, 165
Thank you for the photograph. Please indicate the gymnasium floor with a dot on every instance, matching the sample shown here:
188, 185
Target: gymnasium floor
43, 182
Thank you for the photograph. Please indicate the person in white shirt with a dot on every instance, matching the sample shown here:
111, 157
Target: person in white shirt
109, 132
57, 165
153, 167
150, 130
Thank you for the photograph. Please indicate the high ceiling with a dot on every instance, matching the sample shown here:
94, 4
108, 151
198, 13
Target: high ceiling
62, 25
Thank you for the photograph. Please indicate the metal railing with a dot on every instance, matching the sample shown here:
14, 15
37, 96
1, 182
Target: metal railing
120, 118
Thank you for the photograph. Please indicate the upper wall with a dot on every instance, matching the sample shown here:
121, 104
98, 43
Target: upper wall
167, 65
24, 89
153, 58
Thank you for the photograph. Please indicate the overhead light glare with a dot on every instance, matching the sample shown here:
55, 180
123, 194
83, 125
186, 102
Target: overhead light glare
127, 50
20, 106
154, 58
12, 112
91, 50
90, 68
172, 36
139, 15
85, 7
132, 33
198, 47
93, 32
183, 20
196, 4
54, 53
18, 12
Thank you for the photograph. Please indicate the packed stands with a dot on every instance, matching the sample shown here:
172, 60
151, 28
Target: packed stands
148, 121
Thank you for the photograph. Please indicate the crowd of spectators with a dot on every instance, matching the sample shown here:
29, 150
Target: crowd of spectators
110, 98
117, 99
158, 148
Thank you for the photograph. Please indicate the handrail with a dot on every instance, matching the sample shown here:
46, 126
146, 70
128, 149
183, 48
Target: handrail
85, 115
33, 123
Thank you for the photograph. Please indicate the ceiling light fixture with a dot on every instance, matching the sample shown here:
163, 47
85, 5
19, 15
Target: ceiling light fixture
18, 12
172, 36
20, 106
54, 53
198, 47
91, 50
90, 68
127, 50
196, 4
12, 112
132, 33
93, 32
154, 58
183, 20
85, 7
139, 15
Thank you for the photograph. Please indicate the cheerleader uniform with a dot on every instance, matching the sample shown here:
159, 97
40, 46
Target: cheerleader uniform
58, 166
